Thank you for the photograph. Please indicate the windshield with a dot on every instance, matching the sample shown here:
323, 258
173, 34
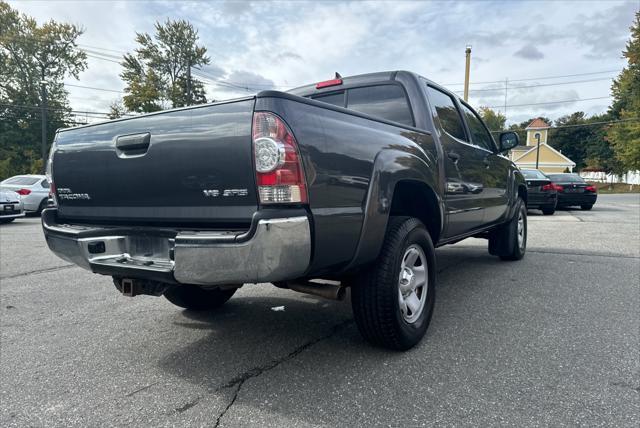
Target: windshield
533, 174
571, 178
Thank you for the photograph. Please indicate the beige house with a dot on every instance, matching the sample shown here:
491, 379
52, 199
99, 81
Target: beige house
550, 159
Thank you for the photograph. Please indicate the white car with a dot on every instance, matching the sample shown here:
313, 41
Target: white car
10, 206
33, 190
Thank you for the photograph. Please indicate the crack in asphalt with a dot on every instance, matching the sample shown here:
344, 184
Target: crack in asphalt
141, 389
37, 271
238, 381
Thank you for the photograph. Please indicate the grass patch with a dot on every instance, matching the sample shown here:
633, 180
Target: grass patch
615, 187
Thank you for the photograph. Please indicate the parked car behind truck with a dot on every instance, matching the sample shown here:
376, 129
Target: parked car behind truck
33, 190
574, 191
346, 183
10, 206
541, 192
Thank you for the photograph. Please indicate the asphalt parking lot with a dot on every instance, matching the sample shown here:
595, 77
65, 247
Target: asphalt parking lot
551, 340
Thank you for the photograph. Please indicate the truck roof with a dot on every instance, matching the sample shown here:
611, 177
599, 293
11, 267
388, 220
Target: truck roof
363, 79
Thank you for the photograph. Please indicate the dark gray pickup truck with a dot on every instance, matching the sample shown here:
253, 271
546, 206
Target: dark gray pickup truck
348, 183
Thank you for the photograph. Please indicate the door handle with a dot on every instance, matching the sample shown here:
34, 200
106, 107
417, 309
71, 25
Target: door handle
453, 156
135, 144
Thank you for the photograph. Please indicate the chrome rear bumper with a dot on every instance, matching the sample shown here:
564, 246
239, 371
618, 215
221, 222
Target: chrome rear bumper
274, 249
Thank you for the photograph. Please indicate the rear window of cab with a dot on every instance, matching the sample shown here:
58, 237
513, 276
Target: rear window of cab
388, 102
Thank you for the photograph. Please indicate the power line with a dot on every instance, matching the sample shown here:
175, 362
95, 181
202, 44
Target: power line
92, 87
244, 85
537, 78
502, 88
552, 102
103, 59
33, 107
578, 125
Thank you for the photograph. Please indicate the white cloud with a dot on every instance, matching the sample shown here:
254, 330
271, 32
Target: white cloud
529, 51
287, 44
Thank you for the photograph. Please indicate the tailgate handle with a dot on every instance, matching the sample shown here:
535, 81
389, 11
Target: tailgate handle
133, 144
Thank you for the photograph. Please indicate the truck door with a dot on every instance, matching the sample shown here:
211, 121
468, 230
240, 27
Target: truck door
496, 173
464, 166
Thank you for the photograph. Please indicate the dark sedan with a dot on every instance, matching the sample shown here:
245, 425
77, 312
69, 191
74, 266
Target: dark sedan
541, 193
574, 191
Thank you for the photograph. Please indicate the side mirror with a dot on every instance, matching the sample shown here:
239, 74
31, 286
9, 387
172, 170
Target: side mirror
508, 140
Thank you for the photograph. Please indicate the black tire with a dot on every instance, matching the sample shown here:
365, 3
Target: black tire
586, 207
197, 298
504, 242
375, 295
6, 220
42, 205
548, 210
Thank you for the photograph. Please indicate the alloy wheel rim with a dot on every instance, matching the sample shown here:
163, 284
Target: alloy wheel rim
413, 283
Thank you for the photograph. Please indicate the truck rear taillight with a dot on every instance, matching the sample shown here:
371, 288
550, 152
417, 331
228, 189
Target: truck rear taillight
49, 174
279, 173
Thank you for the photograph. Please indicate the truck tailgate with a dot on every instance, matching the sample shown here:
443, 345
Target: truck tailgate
191, 165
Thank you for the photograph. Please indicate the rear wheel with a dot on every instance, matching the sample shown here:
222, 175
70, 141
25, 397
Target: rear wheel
586, 207
198, 298
550, 210
393, 301
509, 241
42, 205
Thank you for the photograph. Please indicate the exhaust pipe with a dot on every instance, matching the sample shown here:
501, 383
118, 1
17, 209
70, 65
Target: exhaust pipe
332, 290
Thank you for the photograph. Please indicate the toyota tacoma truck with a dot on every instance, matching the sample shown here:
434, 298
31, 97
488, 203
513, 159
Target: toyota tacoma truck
345, 184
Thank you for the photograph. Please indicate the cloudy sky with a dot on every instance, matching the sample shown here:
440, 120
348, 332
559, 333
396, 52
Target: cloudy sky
263, 45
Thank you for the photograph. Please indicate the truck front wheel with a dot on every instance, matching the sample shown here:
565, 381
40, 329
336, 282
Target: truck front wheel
509, 240
393, 301
198, 298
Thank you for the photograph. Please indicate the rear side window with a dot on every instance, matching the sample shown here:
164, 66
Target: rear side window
22, 181
387, 102
447, 113
45, 184
336, 99
479, 134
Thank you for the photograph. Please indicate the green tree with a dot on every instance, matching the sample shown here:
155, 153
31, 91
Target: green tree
31, 54
571, 137
625, 135
159, 72
116, 110
144, 86
493, 119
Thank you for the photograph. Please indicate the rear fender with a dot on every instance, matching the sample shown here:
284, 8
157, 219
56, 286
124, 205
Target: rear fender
390, 167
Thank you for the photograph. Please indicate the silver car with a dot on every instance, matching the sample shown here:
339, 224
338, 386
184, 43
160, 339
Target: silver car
10, 206
33, 190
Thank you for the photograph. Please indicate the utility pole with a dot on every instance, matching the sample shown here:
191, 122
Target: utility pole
43, 115
537, 150
506, 82
466, 72
189, 80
